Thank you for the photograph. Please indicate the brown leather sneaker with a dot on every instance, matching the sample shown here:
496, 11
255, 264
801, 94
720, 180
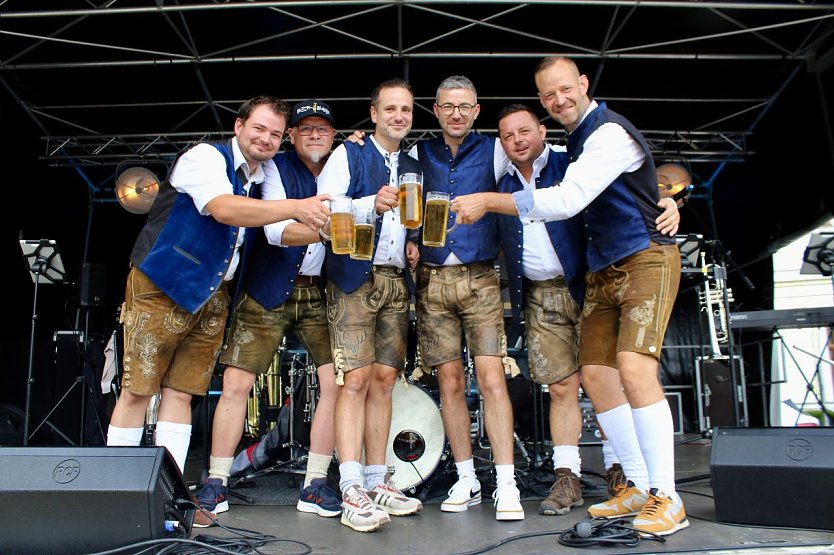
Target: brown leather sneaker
565, 493
614, 478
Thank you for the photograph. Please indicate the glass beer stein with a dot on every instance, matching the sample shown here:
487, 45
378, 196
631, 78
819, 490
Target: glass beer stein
364, 229
411, 200
436, 218
341, 225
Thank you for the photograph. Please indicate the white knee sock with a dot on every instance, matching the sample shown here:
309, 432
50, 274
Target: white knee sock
567, 456
220, 467
618, 426
130, 437
317, 466
609, 456
350, 473
176, 438
655, 432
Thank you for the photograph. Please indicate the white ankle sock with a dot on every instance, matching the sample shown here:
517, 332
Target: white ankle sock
317, 466
220, 467
374, 475
505, 474
655, 432
130, 437
176, 438
567, 456
350, 473
618, 426
466, 469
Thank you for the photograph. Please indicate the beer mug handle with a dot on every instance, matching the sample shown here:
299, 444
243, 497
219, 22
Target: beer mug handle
451, 229
325, 236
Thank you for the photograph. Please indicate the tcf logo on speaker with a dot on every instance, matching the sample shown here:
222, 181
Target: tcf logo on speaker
66, 471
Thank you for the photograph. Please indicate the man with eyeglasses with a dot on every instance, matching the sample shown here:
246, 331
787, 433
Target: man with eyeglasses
367, 305
458, 292
281, 291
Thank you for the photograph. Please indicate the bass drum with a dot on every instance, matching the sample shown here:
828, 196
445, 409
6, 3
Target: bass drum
416, 441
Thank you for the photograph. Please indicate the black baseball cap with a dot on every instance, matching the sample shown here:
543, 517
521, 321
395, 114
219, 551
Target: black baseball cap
311, 107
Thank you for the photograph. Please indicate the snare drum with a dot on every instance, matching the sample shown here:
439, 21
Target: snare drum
416, 440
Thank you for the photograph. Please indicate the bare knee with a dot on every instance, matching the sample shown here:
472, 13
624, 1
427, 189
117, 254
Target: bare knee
237, 383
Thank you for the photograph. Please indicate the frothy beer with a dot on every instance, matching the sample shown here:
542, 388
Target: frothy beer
341, 232
434, 226
363, 242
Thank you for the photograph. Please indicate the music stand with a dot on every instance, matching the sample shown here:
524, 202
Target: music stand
43, 261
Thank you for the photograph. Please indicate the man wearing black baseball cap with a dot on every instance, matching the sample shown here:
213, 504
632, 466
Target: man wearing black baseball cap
281, 286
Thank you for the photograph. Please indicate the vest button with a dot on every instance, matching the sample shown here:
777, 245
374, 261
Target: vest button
226, 261
211, 288
220, 274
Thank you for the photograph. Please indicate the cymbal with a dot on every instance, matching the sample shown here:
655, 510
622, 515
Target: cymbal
672, 179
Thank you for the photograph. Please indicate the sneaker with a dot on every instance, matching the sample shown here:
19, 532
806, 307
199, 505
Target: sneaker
507, 502
212, 496
465, 493
202, 517
391, 500
628, 501
565, 493
661, 516
320, 499
614, 477
359, 512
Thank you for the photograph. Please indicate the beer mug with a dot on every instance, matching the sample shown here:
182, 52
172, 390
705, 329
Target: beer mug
437, 216
364, 229
411, 200
341, 225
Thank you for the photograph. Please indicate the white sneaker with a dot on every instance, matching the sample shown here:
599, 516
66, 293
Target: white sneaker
465, 493
360, 513
507, 502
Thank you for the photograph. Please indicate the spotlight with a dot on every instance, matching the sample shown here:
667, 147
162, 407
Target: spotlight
673, 181
136, 188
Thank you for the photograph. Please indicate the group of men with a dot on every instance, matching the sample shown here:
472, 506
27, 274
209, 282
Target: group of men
584, 237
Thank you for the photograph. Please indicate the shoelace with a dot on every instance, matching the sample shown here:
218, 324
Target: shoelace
360, 499
562, 483
459, 485
653, 506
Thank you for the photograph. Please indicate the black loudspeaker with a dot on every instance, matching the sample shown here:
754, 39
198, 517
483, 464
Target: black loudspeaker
93, 285
86, 499
773, 476
716, 396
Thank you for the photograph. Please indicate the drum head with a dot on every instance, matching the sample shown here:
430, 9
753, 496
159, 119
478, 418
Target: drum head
416, 440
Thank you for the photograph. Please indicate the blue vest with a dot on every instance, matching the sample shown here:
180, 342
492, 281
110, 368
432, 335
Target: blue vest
566, 236
472, 170
368, 173
620, 221
184, 253
271, 270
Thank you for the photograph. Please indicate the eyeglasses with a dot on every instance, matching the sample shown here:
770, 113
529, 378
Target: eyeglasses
305, 130
448, 108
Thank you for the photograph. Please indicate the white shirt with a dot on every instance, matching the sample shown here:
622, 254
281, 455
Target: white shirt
334, 180
201, 174
607, 153
273, 189
539, 259
500, 164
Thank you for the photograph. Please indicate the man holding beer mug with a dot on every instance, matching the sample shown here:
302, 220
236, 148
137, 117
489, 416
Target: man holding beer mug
632, 282
458, 291
367, 308
281, 291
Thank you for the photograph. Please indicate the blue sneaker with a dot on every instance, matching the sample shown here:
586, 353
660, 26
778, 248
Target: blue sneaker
212, 496
320, 499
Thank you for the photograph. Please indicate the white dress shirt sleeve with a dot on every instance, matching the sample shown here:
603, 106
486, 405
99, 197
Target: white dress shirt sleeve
201, 174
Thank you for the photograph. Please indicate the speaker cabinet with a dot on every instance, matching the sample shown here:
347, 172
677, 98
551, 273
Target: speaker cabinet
716, 396
84, 499
93, 285
773, 476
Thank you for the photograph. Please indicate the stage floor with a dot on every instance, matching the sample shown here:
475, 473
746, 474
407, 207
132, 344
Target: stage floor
273, 512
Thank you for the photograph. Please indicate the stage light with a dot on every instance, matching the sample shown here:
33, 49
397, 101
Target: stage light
673, 180
136, 188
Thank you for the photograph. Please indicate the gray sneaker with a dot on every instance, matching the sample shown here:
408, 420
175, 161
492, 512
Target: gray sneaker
392, 500
359, 512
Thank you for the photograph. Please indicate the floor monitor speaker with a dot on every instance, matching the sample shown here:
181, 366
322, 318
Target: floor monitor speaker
85, 499
773, 476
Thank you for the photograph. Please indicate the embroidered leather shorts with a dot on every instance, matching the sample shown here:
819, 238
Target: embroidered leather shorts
257, 332
371, 323
452, 300
628, 305
164, 344
552, 319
